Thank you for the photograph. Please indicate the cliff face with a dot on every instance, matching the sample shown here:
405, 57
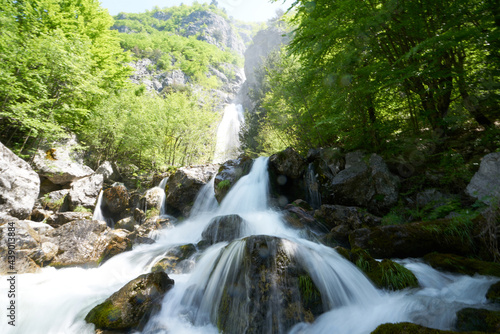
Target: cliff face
264, 42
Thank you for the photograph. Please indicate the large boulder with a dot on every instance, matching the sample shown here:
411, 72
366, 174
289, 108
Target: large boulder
84, 192
54, 200
84, 243
286, 176
62, 162
183, 186
325, 163
19, 185
406, 328
480, 320
57, 219
366, 182
153, 199
461, 237
106, 170
132, 305
116, 198
485, 184
229, 173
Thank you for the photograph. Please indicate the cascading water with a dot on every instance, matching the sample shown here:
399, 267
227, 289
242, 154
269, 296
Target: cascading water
163, 197
313, 196
221, 289
98, 214
228, 140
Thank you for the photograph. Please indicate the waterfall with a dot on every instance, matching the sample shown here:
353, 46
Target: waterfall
98, 214
313, 196
163, 198
350, 302
228, 134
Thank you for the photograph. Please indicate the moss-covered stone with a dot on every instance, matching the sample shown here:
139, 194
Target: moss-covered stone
132, 305
462, 265
408, 328
470, 319
229, 173
493, 294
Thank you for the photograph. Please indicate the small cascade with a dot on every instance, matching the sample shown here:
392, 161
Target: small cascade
313, 196
163, 197
205, 201
228, 134
98, 212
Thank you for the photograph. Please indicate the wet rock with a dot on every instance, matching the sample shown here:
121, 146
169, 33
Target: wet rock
471, 319
269, 289
407, 328
183, 186
118, 243
461, 237
19, 185
176, 260
229, 173
366, 182
326, 164
286, 171
84, 192
485, 184
61, 162
223, 228
62, 218
133, 304
385, 274
297, 217
116, 198
493, 294
126, 224
462, 265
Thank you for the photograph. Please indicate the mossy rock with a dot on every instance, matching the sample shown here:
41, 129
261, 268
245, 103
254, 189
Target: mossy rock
409, 328
493, 294
386, 274
470, 319
462, 265
132, 305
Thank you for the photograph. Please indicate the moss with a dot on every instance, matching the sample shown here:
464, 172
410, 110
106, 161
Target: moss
81, 209
105, 315
224, 184
153, 212
462, 265
407, 328
470, 319
493, 294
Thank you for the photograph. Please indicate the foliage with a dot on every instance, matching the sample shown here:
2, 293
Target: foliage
224, 184
59, 60
355, 75
151, 131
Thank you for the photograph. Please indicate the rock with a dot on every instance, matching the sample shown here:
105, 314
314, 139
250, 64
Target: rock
45, 253
126, 224
183, 186
54, 200
213, 29
431, 197
286, 171
106, 170
27, 241
385, 274
326, 164
144, 232
84, 192
61, 162
62, 218
19, 185
493, 294
176, 260
470, 319
462, 265
366, 182
267, 289
116, 199
407, 328
229, 173
133, 304
81, 243
39, 215
119, 243
297, 217
485, 184
153, 198
418, 239
223, 228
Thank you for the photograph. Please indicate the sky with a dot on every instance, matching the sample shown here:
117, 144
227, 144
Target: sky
244, 10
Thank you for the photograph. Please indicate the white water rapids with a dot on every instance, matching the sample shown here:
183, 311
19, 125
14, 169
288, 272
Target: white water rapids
57, 301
